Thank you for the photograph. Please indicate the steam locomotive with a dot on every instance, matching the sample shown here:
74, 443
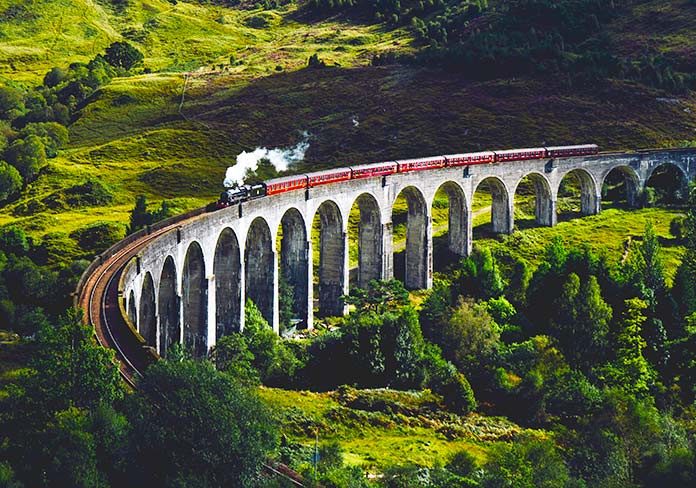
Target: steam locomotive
234, 196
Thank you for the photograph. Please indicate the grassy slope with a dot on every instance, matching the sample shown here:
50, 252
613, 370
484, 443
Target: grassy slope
374, 440
133, 137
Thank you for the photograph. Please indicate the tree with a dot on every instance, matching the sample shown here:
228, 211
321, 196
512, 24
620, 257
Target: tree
71, 369
10, 181
28, 155
631, 371
139, 215
379, 297
121, 54
686, 276
526, 463
195, 426
11, 103
402, 347
231, 354
54, 77
53, 135
470, 337
581, 322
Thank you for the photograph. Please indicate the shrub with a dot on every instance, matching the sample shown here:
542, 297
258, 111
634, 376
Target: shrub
99, 236
28, 156
10, 181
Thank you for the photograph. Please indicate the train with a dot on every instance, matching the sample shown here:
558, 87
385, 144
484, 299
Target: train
243, 193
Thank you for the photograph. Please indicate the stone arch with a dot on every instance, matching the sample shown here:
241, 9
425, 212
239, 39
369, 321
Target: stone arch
458, 218
418, 246
259, 268
631, 183
659, 173
147, 318
227, 268
369, 239
195, 301
589, 199
168, 307
332, 254
502, 221
544, 204
294, 260
132, 312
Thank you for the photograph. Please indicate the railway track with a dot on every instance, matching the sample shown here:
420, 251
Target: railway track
99, 300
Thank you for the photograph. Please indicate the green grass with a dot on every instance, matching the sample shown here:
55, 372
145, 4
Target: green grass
606, 233
375, 440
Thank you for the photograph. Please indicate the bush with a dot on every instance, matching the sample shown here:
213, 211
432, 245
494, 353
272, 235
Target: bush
28, 156
10, 181
123, 55
99, 236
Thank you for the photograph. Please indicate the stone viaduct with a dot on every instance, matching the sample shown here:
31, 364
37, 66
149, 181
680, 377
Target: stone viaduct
190, 284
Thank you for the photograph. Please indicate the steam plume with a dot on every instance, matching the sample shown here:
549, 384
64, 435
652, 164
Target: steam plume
280, 158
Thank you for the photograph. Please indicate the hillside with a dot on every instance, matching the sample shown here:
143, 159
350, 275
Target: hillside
172, 133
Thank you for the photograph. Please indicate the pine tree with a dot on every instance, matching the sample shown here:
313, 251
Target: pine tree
631, 370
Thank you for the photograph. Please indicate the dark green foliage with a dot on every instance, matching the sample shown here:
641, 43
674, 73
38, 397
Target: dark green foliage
99, 236
53, 135
141, 216
265, 170
580, 321
479, 276
231, 354
28, 156
121, 54
11, 103
71, 369
195, 426
272, 358
444, 379
631, 371
527, 463
10, 182
379, 297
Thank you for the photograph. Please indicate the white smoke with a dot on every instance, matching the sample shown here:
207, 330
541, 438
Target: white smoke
355, 121
280, 158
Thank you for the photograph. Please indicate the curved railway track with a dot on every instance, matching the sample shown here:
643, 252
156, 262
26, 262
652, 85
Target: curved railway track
99, 300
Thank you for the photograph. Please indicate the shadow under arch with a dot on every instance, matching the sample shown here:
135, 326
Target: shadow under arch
228, 293
621, 182
168, 307
259, 269
571, 183
537, 185
332, 248
147, 318
195, 301
368, 223
416, 265
501, 217
293, 263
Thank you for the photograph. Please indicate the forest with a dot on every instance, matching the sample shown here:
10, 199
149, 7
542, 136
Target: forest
560, 357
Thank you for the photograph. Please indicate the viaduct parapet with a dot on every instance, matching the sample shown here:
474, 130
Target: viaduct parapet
189, 284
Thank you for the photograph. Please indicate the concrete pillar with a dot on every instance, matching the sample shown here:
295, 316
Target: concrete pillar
275, 323
212, 311
591, 204
545, 211
419, 245
346, 269
469, 233
309, 250
429, 253
387, 252
242, 285
502, 215
459, 238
